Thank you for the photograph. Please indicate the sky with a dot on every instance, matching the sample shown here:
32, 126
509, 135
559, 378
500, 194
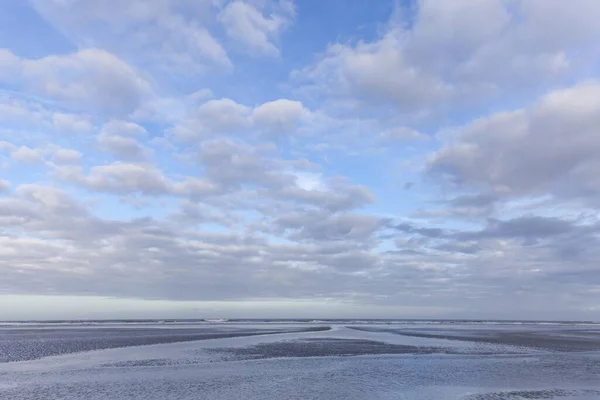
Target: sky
317, 158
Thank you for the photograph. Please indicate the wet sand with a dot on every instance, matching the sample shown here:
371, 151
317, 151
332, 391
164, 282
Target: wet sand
303, 361
323, 348
564, 340
31, 344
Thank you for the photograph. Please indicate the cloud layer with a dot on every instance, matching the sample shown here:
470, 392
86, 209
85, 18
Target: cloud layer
442, 161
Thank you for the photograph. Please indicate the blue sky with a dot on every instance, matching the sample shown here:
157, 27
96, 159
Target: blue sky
418, 159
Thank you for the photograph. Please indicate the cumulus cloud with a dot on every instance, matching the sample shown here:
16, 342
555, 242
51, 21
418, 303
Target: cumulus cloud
123, 128
336, 196
243, 22
118, 139
4, 186
26, 154
90, 79
462, 51
376, 72
281, 115
67, 156
22, 113
126, 174
71, 123
234, 164
551, 147
225, 116
9, 64
121, 178
319, 227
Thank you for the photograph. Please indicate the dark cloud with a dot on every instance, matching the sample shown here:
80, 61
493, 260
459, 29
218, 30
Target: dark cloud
319, 226
407, 227
532, 227
474, 200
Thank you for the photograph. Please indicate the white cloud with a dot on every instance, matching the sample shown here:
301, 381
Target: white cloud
118, 139
4, 186
337, 195
23, 113
550, 147
281, 115
67, 156
195, 188
573, 24
27, 155
71, 123
92, 80
167, 33
309, 181
461, 51
5, 146
225, 116
124, 178
122, 148
303, 199
200, 95
9, 65
246, 24
376, 72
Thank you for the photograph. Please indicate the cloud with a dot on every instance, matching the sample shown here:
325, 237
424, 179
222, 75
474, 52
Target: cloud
9, 64
5, 146
118, 139
528, 227
244, 23
200, 95
460, 51
123, 128
121, 178
91, 80
225, 116
196, 189
171, 34
338, 195
323, 256
67, 156
319, 227
143, 165
4, 186
234, 164
22, 113
27, 155
401, 133
71, 123
234, 174
281, 115
551, 147
375, 72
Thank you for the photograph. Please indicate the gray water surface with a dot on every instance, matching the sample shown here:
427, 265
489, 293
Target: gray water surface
300, 361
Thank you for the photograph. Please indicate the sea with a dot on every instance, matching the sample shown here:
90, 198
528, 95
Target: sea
299, 359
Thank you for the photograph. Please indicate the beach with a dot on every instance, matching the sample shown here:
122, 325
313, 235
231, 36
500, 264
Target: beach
299, 360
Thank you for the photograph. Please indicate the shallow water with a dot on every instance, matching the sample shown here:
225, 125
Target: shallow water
271, 361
